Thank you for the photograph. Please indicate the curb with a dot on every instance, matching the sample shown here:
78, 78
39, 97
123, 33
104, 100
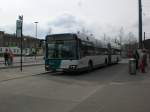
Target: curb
24, 76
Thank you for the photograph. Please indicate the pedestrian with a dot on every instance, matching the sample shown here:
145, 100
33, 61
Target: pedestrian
143, 61
136, 57
10, 57
6, 57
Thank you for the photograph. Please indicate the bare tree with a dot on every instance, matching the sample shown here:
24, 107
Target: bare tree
121, 35
132, 38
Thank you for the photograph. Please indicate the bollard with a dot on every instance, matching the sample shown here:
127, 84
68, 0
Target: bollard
132, 66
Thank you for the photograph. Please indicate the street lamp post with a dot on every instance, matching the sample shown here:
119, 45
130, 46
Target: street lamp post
36, 38
140, 25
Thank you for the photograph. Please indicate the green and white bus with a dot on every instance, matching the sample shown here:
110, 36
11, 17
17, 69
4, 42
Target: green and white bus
77, 52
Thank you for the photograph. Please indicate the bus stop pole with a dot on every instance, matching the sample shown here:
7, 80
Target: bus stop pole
21, 53
21, 19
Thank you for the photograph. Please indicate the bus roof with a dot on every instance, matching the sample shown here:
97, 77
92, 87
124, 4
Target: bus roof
87, 38
83, 37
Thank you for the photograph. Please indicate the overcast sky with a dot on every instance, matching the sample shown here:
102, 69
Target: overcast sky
57, 16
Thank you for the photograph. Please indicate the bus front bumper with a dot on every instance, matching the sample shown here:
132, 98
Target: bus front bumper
72, 68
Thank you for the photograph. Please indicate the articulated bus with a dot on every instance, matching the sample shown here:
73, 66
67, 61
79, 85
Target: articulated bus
77, 52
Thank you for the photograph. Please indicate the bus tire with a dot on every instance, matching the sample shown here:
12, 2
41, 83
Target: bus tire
90, 66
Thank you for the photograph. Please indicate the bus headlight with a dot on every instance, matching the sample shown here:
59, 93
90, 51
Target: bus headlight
73, 67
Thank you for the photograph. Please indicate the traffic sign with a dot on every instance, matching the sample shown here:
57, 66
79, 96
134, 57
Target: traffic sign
18, 28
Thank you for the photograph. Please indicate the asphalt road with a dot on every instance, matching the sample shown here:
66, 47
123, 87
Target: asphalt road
109, 89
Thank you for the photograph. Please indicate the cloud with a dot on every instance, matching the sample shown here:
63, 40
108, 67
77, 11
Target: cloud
29, 29
146, 22
146, 25
80, 3
71, 24
66, 23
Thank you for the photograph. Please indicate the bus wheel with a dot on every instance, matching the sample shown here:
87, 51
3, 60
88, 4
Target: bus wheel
90, 65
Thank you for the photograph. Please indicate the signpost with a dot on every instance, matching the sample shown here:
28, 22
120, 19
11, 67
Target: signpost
19, 25
18, 28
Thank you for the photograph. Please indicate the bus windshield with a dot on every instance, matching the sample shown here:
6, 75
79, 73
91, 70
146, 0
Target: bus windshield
62, 49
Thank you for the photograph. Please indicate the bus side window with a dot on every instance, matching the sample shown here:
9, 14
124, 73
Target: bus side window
112, 52
81, 50
84, 51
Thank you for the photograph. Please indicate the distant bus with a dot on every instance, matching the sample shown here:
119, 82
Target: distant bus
14, 50
17, 51
77, 52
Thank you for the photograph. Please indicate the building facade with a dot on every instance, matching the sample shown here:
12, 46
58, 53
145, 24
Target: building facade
9, 40
28, 42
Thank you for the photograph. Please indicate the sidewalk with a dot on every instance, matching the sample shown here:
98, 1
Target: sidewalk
27, 61
30, 67
15, 73
24, 58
